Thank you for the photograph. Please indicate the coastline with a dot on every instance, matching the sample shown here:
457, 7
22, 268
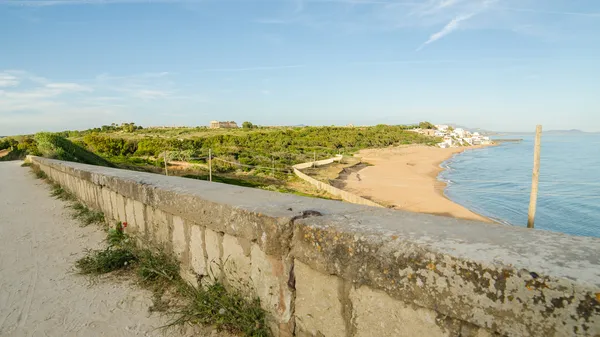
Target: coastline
405, 178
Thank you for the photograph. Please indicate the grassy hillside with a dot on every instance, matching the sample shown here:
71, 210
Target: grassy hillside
259, 157
257, 147
53, 146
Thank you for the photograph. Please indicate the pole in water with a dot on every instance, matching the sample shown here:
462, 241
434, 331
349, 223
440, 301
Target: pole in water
209, 164
166, 170
535, 178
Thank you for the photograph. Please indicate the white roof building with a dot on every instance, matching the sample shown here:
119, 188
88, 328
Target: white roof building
459, 132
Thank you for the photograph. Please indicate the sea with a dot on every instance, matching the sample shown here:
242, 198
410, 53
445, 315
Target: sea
496, 182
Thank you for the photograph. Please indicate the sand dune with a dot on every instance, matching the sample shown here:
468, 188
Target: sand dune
406, 178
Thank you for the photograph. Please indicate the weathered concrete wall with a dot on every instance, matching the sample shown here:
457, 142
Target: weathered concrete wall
345, 195
351, 270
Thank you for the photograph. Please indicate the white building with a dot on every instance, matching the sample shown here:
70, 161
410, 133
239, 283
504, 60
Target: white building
460, 133
442, 127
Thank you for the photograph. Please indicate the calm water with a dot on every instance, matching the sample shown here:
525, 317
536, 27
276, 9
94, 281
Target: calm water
496, 182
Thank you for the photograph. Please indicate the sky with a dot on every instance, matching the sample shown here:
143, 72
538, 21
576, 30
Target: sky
503, 65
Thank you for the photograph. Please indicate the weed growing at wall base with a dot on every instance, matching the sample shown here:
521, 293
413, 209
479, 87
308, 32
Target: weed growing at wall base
39, 173
85, 215
227, 309
98, 262
61, 194
212, 304
82, 213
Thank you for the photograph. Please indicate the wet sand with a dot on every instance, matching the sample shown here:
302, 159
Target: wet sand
406, 178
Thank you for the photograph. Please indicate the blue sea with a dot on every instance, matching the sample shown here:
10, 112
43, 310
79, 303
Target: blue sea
496, 182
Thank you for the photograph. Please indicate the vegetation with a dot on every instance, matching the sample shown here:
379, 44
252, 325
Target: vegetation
82, 213
104, 261
426, 125
14, 155
251, 156
229, 310
248, 125
287, 146
59, 193
7, 143
54, 146
39, 173
212, 304
85, 215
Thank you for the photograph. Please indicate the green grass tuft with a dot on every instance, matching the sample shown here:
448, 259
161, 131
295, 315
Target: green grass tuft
228, 310
104, 261
85, 215
26, 164
116, 236
157, 266
39, 173
59, 193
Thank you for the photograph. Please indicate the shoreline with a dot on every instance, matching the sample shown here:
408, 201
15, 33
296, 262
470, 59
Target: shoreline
406, 178
440, 185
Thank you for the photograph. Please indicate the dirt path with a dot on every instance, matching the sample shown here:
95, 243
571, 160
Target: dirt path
4, 152
40, 295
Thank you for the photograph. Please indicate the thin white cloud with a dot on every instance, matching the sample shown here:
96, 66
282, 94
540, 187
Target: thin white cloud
541, 11
7, 80
251, 68
449, 28
44, 3
38, 103
66, 87
150, 94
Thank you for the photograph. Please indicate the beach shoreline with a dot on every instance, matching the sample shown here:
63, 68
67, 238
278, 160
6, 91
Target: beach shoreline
406, 178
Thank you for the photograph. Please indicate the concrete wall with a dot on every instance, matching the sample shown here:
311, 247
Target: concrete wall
345, 195
328, 268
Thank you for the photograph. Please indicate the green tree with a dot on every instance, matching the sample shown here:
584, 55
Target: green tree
247, 125
426, 125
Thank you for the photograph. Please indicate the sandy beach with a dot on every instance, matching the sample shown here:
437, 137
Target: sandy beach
406, 178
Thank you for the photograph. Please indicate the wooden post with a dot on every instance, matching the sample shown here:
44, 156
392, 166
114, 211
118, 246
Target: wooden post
535, 178
209, 164
166, 164
315, 159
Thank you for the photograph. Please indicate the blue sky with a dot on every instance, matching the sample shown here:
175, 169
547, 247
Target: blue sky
496, 64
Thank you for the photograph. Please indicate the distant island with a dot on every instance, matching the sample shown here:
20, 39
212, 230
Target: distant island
572, 131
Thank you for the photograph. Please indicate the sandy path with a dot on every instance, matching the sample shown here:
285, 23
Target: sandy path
4, 152
406, 177
40, 295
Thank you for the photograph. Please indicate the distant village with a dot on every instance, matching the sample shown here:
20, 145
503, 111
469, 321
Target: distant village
455, 137
459, 137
